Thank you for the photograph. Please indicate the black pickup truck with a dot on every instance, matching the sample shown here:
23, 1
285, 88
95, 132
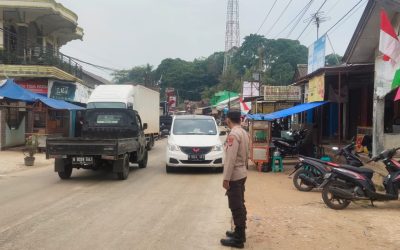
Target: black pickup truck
111, 138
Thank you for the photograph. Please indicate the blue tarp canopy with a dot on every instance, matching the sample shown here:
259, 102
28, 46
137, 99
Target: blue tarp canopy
286, 112
9, 89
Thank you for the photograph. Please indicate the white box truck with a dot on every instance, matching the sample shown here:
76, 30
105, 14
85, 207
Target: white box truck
137, 97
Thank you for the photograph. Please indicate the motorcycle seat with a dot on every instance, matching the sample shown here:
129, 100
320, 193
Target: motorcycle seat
364, 171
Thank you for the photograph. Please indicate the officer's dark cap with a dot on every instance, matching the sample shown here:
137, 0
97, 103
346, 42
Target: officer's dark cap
234, 114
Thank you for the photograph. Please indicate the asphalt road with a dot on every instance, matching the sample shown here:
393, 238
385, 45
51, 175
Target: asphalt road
93, 210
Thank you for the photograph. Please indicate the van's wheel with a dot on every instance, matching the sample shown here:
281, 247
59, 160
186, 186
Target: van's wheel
143, 162
125, 168
66, 174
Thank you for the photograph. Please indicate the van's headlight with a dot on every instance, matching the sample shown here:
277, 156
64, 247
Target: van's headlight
173, 147
218, 147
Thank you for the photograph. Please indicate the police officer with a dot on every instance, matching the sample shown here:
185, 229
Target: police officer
235, 174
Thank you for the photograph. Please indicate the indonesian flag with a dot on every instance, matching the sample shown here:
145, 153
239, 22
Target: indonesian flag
244, 106
389, 45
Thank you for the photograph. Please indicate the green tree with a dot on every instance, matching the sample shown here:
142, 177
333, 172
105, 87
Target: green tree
139, 74
333, 60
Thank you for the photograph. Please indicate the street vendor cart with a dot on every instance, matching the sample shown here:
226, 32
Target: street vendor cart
260, 142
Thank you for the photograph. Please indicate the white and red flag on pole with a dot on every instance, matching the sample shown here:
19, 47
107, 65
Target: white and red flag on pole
389, 45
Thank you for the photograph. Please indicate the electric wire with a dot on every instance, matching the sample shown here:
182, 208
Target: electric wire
279, 17
294, 19
266, 17
343, 17
350, 15
308, 24
298, 20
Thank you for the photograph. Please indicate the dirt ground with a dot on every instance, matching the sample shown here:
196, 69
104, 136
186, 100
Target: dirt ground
280, 217
13, 160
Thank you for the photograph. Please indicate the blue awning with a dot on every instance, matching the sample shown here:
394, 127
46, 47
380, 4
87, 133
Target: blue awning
286, 112
9, 89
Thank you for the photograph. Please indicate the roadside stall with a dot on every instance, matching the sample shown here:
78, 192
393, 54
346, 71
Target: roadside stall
42, 116
261, 147
260, 142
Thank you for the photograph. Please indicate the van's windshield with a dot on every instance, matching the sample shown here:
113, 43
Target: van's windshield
106, 105
194, 127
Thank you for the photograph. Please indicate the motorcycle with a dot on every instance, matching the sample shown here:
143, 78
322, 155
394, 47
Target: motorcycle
342, 186
309, 172
290, 147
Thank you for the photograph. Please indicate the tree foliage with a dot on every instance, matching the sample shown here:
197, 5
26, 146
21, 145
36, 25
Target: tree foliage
333, 60
276, 60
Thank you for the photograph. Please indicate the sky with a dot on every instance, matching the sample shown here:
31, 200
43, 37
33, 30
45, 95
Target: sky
122, 34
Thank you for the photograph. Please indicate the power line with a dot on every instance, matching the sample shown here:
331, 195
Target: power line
355, 11
266, 17
298, 20
291, 22
308, 24
343, 17
280, 16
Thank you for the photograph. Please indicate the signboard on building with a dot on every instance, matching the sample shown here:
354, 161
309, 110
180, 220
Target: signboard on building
282, 93
35, 86
316, 55
316, 89
69, 91
63, 91
251, 89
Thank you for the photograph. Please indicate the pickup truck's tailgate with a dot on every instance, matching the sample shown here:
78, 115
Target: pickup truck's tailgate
72, 146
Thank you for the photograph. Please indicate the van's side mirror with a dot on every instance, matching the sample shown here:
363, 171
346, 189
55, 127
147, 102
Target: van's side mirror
222, 133
145, 126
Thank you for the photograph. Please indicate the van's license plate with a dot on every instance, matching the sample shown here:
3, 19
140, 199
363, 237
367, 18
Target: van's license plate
197, 157
83, 160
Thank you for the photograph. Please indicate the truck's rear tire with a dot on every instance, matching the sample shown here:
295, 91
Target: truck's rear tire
143, 162
125, 168
66, 174
150, 144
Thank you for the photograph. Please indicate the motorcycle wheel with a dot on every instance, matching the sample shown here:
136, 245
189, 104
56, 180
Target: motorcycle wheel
331, 200
299, 184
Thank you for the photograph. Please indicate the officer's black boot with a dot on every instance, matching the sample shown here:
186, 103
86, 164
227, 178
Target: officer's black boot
237, 240
232, 234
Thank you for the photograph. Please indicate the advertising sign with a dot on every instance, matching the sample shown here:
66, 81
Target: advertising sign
282, 93
316, 89
36, 86
63, 91
316, 55
251, 89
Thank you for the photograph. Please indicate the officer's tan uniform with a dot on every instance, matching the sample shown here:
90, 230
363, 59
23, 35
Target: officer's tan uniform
235, 171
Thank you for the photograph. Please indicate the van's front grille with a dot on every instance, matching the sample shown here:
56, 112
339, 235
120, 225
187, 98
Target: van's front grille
196, 150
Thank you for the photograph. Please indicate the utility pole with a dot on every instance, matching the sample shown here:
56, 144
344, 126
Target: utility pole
232, 35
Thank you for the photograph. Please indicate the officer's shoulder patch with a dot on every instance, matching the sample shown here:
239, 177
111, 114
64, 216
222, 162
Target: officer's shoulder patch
230, 140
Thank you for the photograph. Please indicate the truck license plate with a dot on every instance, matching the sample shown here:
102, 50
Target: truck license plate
197, 157
82, 160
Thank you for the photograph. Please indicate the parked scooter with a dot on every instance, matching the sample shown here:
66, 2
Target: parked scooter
342, 186
291, 147
310, 172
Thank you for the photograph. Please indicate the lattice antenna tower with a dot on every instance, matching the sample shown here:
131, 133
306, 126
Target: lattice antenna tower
317, 18
232, 36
